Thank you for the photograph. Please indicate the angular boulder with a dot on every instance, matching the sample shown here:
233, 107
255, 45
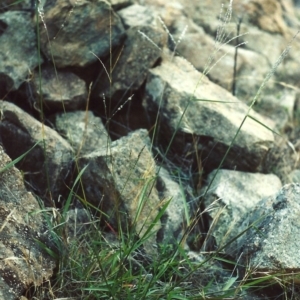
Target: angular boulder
120, 181
59, 90
229, 199
83, 130
23, 262
70, 34
190, 105
18, 49
271, 244
173, 220
47, 166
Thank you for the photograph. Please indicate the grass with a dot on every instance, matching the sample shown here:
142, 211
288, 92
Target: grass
93, 264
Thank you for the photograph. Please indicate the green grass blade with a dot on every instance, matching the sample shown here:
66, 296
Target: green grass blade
69, 199
15, 161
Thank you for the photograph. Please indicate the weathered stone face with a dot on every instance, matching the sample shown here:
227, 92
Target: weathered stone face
49, 163
72, 38
83, 130
193, 105
121, 182
271, 244
231, 196
23, 263
16, 61
58, 90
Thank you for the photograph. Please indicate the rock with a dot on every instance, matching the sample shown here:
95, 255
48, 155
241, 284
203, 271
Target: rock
230, 197
295, 176
174, 217
45, 167
137, 15
265, 46
23, 262
266, 14
270, 245
219, 56
138, 55
83, 130
59, 90
121, 182
25, 5
279, 107
18, 49
176, 88
282, 159
75, 34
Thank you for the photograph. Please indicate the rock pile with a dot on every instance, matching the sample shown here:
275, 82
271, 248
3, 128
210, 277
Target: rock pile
128, 93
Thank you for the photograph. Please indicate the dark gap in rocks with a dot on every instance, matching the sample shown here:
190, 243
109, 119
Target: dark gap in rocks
100, 70
6, 84
3, 27
128, 116
23, 98
157, 63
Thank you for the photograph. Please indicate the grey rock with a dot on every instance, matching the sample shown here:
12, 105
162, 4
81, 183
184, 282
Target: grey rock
23, 262
271, 243
210, 112
137, 15
46, 167
121, 182
279, 107
282, 159
137, 57
221, 57
59, 90
18, 49
174, 217
13, 5
83, 130
70, 39
230, 197
295, 176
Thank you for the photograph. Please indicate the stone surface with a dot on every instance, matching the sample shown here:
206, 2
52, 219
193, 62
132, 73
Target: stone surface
221, 57
23, 263
279, 107
59, 90
138, 55
120, 182
174, 217
177, 88
295, 176
45, 167
72, 38
17, 51
230, 197
264, 47
137, 15
83, 130
26, 5
282, 159
271, 244
266, 14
